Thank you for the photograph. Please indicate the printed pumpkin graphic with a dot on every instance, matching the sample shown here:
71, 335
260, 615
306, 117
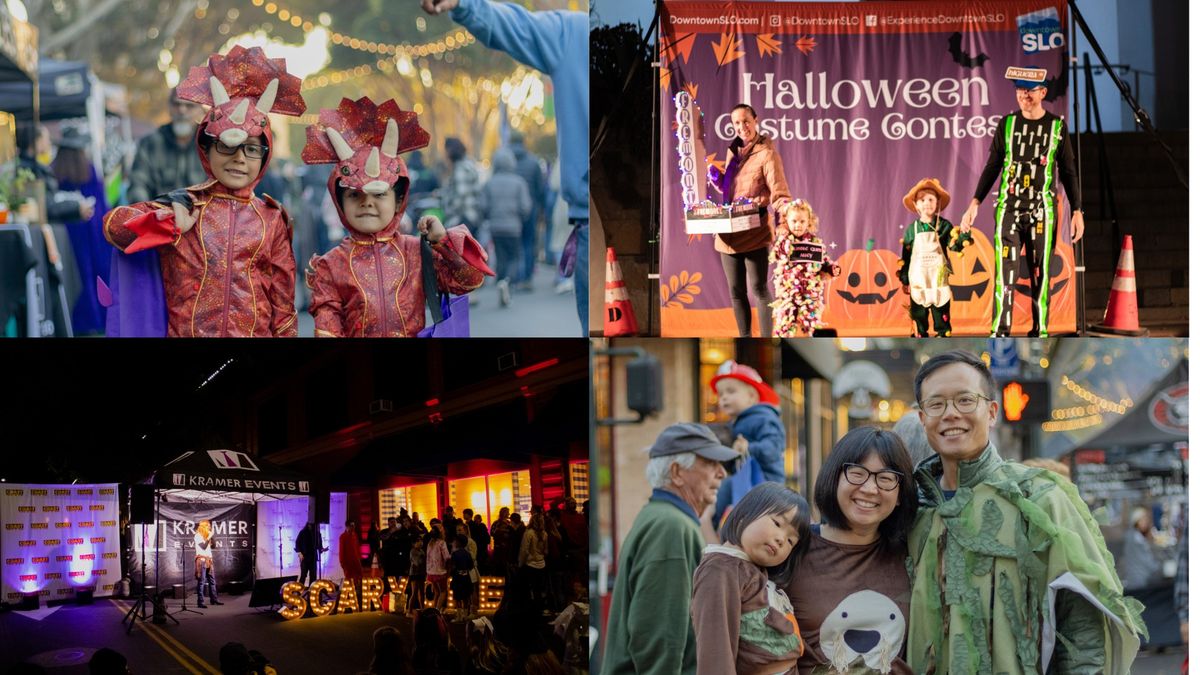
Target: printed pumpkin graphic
972, 280
867, 299
1061, 311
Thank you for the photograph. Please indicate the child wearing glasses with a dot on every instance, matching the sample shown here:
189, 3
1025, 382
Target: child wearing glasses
850, 592
743, 620
757, 430
225, 254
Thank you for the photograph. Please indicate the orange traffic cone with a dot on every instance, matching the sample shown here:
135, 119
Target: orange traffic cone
618, 310
1121, 316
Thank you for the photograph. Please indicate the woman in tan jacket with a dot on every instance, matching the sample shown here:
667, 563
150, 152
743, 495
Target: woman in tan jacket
753, 170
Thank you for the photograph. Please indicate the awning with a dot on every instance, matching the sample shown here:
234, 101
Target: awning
1161, 417
63, 87
229, 471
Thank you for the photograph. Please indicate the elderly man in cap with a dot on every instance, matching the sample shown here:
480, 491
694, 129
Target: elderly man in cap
649, 626
1029, 147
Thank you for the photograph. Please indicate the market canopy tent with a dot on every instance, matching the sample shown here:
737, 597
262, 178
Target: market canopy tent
63, 90
1161, 417
229, 471
243, 496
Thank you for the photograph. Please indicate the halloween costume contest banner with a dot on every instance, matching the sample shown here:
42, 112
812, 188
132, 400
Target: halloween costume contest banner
58, 538
232, 544
862, 101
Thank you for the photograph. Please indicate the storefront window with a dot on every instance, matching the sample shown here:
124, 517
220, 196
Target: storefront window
713, 352
420, 499
486, 495
579, 481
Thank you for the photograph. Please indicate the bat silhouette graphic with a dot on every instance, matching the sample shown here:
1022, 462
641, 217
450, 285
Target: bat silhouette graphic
957, 55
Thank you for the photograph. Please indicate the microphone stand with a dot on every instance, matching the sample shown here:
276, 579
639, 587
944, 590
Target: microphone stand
183, 578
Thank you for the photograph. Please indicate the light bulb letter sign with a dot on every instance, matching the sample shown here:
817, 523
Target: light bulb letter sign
691, 150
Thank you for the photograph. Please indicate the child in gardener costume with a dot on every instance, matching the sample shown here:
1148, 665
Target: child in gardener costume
372, 285
924, 269
226, 255
1010, 573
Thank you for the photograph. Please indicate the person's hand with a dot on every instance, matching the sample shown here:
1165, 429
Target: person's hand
968, 217
436, 7
906, 291
760, 201
184, 219
301, 557
1183, 632
1076, 226
86, 210
714, 174
741, 445
432, 228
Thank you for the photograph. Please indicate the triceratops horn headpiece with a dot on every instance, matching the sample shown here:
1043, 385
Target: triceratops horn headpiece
242, 87
365, 142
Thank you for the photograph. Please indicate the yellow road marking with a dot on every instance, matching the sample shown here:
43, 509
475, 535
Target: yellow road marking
170, 645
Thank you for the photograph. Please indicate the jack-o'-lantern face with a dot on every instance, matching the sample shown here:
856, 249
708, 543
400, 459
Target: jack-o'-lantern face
1061, 312
866, 297
867, 277
972, 278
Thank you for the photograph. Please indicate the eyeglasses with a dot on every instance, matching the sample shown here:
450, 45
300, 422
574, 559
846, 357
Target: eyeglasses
250, 150
963, 403
856, 474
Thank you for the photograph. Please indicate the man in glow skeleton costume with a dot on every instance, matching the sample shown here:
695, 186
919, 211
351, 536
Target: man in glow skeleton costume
226, 255
371, 284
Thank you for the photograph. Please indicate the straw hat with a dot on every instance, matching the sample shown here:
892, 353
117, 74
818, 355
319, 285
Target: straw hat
943, 197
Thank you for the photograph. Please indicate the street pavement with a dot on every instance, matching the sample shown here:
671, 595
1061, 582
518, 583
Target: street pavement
540, 313
1167, 662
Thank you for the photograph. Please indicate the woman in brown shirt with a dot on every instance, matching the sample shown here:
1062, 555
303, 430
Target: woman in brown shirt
850, 592
753, 170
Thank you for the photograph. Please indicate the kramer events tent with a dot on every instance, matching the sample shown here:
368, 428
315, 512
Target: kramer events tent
256, 509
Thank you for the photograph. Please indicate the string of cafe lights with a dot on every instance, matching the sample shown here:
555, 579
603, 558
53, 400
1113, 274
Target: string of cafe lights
447, 43
1086, 394
1074, 418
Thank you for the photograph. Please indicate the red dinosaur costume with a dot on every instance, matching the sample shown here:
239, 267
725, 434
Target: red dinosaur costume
370, 285
232, 274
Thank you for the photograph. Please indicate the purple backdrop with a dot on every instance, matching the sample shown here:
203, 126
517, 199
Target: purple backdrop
862, 100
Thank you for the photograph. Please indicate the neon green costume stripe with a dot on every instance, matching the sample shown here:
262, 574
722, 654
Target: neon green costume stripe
1001, 204
1043, 300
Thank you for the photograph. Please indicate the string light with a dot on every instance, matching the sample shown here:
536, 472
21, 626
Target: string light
446, 43
1073, 424
1102, 403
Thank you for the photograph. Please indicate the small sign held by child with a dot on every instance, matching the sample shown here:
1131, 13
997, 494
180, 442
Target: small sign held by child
809, 252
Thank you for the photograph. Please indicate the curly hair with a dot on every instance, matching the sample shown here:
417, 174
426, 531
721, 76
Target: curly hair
800, 205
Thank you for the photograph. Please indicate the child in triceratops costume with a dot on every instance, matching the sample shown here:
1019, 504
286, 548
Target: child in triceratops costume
371, 284
225, 254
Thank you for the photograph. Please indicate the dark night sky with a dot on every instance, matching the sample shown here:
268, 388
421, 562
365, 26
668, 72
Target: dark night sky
78, 410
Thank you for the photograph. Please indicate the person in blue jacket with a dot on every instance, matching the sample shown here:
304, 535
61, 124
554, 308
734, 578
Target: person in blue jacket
555, 43
757, 431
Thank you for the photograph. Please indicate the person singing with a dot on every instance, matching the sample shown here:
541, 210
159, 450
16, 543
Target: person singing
205, 577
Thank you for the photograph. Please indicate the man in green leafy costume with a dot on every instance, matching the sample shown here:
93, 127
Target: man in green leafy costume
1010, 573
